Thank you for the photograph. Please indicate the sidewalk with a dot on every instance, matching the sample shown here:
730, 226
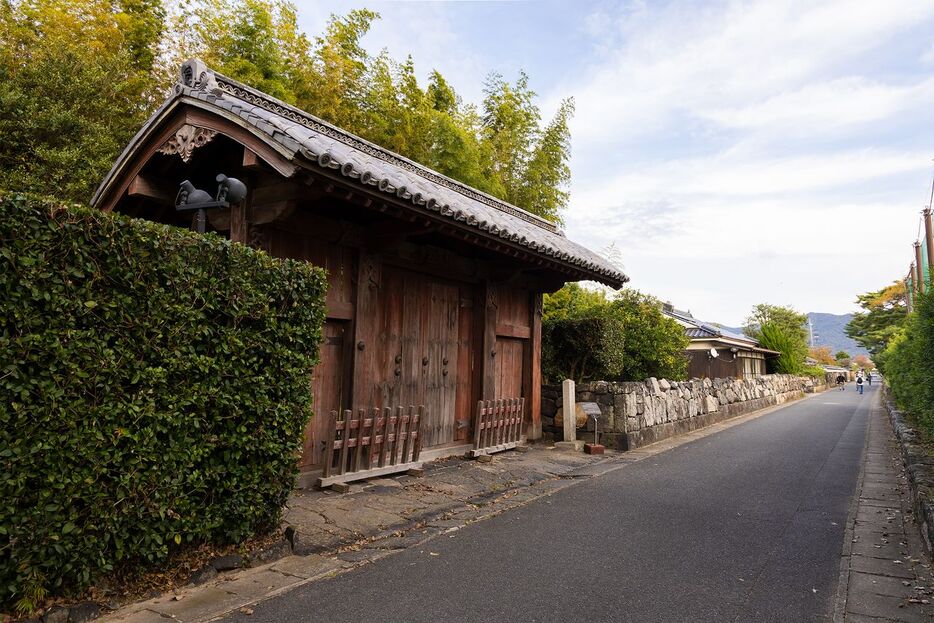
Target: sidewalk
884, 574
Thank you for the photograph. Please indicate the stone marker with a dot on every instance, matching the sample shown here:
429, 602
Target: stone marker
570, 424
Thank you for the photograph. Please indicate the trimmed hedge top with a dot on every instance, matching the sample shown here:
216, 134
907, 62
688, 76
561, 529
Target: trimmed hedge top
154, 387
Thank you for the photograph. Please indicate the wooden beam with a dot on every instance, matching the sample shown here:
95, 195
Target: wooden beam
281, 191
240, 219
511, 330
162, 191
251, 160
489, 312
339, 310
534, 394
369, 279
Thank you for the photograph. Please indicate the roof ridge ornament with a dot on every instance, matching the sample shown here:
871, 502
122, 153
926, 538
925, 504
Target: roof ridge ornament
196, 75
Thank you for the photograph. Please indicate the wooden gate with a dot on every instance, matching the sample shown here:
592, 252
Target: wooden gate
498, 426
386, 442
413, 355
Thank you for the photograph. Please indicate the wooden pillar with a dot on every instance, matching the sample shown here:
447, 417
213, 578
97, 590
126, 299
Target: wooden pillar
488, 354
919, 270
534, 394
929, 239
240, 217
369, 278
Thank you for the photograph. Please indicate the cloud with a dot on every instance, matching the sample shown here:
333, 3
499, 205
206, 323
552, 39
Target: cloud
747, 152
688, 61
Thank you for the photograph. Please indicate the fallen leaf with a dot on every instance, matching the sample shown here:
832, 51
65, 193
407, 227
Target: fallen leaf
246, 611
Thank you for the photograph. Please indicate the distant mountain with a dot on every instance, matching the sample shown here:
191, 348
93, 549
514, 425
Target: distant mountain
829, 331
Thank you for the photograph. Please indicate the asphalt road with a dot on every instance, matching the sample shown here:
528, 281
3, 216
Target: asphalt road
744, 525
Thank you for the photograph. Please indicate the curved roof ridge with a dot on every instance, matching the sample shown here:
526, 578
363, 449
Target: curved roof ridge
304, 139
248, 93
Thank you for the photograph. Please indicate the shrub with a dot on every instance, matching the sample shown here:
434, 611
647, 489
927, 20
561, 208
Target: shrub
791, 359
154, 386
908, 363
626, 339
586, 347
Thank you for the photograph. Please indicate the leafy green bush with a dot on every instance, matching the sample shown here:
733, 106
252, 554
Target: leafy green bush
626, 339
154, 386
816, 372
908, 363
586, 347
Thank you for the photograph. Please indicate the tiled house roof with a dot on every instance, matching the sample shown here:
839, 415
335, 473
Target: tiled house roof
699, 330
305, 139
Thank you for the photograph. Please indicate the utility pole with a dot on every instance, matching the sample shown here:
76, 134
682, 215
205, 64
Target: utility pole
929, 239
919, 270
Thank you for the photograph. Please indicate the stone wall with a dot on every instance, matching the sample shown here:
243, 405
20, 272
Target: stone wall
636, 414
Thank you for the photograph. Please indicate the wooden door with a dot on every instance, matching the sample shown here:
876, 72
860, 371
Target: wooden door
414, 357
510, 356
327, 390
440, 345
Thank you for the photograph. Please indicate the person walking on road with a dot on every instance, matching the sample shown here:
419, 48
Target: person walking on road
841, 381
859, 384
869, 377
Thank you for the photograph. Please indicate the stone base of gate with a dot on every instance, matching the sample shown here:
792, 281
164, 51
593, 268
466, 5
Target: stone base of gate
572, 446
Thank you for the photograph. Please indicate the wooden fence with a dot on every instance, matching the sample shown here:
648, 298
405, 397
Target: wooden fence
384, 442
498, 426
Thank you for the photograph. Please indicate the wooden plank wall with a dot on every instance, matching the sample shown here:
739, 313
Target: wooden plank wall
331, 377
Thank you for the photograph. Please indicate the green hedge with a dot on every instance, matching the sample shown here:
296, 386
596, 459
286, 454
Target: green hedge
154, 386
908, 364
625, 339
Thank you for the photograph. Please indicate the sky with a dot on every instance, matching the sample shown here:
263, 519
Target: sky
734, 153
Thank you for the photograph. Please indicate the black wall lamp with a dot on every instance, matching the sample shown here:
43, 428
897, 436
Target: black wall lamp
230, 191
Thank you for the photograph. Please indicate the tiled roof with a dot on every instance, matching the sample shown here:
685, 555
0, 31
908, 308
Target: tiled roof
302, 137
699, 330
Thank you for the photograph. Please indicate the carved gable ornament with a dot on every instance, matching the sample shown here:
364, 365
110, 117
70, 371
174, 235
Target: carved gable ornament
187, 139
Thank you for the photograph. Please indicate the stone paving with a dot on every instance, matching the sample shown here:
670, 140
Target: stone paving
885, 574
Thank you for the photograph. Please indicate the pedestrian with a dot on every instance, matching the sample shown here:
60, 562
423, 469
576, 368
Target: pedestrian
841, 381
859, 384
869, 377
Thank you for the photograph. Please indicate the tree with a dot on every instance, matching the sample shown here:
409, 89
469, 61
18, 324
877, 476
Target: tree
778, 337
787, 326
843, 358
886, 311
501, 149
254, 41
863, 362
571, 301
654, 343
587, 337
821, 354
789, 320
77, 79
